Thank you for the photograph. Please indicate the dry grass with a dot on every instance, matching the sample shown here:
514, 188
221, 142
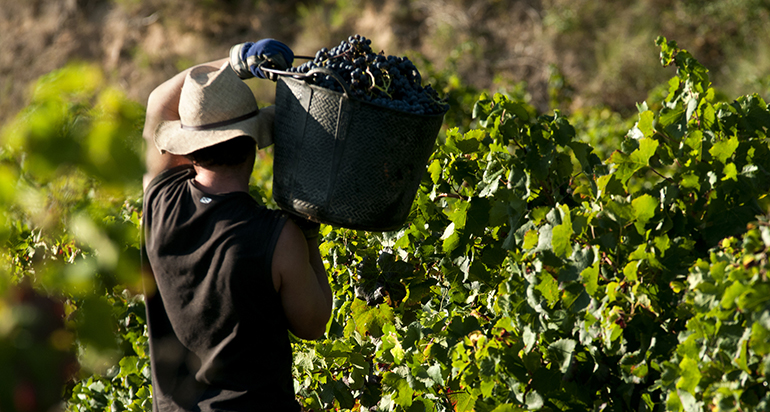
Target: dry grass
603, 50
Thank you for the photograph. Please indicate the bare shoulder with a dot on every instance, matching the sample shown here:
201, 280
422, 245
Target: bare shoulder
303, 289
291, 251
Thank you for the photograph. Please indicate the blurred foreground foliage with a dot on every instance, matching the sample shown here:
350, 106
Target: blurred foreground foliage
70, 190
550, 262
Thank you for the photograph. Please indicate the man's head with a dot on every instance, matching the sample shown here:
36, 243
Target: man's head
215, 106
231, 152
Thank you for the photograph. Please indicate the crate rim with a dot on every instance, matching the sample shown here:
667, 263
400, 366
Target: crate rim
362, 102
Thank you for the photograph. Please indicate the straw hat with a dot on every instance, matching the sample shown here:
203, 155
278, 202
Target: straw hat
215, 105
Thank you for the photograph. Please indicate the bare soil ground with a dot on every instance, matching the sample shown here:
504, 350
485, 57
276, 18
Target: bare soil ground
140, 43
602, 51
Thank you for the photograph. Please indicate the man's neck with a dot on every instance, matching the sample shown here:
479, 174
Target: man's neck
221, 180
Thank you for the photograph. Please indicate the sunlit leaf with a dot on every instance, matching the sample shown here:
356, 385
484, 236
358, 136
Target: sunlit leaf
724, 149
630, 164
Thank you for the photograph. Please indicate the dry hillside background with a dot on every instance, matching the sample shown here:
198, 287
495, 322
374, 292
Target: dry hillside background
570, 53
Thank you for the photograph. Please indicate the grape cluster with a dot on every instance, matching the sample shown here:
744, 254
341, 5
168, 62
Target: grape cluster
382, 277
389, 81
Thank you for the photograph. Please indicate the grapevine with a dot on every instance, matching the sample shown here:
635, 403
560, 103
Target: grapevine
389, 81
538, 272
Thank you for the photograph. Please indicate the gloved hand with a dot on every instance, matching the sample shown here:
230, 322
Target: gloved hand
247, 59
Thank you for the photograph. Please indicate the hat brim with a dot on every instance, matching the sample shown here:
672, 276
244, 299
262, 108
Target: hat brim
172, 138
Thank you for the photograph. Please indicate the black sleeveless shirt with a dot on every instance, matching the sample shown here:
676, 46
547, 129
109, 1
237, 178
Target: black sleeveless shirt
218, 335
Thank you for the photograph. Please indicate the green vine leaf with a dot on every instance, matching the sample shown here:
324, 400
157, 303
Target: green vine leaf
638, 159
724, 149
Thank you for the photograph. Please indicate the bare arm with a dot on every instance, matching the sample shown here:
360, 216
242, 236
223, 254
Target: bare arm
301, 280
163, 105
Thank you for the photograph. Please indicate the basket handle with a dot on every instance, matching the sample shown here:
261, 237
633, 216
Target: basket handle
311, 73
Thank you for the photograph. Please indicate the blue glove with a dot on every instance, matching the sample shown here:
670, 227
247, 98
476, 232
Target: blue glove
248, 58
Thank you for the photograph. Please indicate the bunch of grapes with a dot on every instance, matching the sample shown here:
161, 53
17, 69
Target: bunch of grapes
389, 81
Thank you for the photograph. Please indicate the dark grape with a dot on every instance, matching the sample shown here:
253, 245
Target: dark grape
389, 81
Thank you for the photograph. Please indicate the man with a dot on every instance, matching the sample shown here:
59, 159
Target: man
229, 277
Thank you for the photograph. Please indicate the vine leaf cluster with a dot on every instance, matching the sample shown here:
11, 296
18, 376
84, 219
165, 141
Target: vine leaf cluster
535, 273
543, 277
